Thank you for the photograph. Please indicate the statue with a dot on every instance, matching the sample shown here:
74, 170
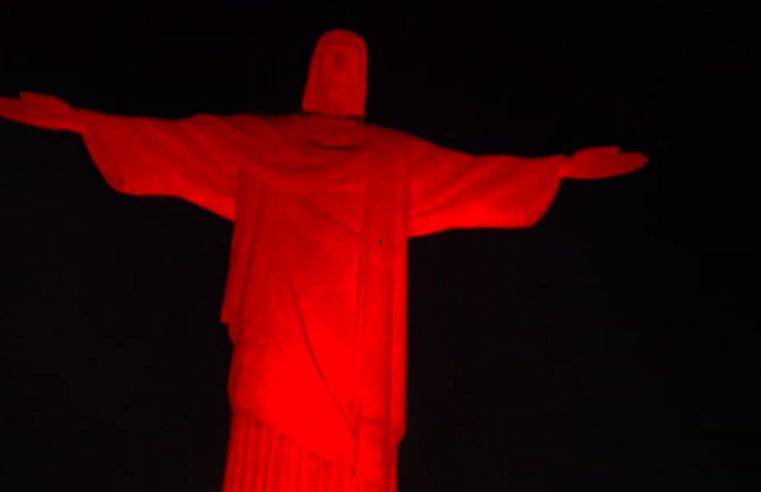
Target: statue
323, 204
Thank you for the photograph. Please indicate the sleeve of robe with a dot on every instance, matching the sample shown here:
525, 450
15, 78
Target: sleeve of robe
455, 190
194, 158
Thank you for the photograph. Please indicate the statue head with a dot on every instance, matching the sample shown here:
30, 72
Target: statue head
337, 80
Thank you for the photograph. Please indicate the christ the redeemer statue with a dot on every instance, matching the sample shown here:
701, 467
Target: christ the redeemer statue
323, 204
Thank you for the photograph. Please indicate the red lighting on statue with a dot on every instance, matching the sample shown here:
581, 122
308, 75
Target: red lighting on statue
323, 204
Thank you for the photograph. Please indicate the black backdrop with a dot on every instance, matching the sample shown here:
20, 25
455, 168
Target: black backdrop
611, 347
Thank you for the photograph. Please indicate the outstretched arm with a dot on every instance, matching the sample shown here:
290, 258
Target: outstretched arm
452, 190
42, 111
193, 158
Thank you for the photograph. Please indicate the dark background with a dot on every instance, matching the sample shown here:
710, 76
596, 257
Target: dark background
614, 346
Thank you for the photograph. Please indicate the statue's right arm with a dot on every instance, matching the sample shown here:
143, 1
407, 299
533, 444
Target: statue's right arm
42, 111
196, 158
193, 158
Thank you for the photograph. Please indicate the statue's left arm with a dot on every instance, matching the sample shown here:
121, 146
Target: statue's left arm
455, 190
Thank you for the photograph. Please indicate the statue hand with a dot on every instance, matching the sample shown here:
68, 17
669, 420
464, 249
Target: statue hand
42, 111
601, 162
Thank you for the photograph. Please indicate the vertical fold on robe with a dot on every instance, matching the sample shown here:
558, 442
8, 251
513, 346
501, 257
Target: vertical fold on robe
260, 459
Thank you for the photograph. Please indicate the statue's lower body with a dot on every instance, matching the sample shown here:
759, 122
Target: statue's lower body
260, 459
295, 425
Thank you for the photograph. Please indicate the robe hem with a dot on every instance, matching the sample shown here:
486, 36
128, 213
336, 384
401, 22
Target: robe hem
261, 459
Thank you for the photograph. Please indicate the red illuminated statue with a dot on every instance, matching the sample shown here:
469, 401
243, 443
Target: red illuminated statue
323, 204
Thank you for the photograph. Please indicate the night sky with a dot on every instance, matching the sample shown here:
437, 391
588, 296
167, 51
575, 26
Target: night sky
614, 346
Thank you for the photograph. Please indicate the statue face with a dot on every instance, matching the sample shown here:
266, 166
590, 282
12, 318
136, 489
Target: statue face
337, 81
339, 72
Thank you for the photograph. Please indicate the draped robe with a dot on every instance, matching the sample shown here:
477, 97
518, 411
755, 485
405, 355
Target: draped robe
316, 289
